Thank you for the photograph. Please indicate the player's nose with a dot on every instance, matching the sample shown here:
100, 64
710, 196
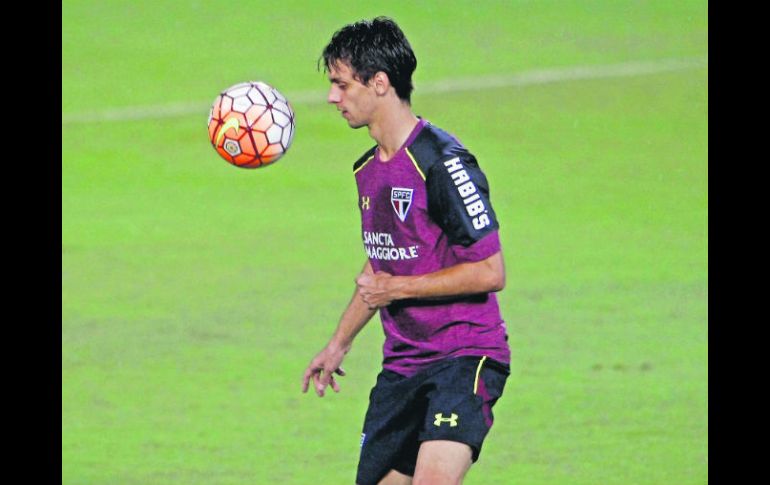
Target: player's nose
334, 96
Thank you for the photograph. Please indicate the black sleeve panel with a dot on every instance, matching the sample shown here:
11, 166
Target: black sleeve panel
458, 199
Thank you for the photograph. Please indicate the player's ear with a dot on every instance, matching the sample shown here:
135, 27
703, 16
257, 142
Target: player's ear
381, 83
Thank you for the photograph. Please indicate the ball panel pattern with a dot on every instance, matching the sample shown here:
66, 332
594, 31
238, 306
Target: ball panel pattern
251, 124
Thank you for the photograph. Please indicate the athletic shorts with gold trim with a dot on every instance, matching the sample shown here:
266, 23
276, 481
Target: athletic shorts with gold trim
451, 400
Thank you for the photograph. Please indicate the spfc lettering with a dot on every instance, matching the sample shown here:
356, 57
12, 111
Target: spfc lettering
401, 200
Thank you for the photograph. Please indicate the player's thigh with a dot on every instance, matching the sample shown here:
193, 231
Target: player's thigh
396, 478
442, 461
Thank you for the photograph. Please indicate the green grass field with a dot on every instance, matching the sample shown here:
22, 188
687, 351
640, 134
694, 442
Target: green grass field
194, 293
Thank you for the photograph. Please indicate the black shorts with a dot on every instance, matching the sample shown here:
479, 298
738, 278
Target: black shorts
452, 400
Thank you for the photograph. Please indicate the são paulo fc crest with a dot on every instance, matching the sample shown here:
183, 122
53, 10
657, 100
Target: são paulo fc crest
401, 200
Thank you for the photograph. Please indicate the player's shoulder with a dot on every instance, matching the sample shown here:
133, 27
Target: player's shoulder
364, 158
434, 145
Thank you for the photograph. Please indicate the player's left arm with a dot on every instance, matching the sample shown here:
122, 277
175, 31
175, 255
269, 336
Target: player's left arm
458, 201
488, 275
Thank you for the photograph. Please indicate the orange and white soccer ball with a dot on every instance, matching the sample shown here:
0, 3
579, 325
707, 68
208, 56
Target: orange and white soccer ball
251, 124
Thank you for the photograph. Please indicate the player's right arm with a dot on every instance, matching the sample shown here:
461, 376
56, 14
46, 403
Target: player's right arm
327, 362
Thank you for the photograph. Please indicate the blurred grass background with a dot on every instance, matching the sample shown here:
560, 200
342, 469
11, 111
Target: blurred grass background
194, 293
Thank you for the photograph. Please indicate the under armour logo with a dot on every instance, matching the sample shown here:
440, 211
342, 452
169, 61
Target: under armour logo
365, 202
452, 420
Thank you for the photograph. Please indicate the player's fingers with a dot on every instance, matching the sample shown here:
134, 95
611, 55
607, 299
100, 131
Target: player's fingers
327, 378
306, 379
340, 371
370, 303
319, 387
327, 375
311, 369
335, 386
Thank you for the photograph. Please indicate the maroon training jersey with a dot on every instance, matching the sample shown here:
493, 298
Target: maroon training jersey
425, 209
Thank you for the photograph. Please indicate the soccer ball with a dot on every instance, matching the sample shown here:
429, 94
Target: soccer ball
251, 124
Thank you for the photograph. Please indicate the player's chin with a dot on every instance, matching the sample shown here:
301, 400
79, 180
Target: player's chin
355, 124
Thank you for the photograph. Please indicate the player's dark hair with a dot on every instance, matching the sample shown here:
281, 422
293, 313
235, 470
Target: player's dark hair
370, 46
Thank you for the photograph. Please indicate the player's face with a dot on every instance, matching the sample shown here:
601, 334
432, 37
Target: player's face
353, 99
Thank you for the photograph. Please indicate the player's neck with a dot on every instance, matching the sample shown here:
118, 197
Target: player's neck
392, 129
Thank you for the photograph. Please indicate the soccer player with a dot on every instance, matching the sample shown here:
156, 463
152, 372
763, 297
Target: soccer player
434, 264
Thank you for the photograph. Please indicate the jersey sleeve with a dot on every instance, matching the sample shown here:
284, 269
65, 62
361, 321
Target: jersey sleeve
458, 201
480, 250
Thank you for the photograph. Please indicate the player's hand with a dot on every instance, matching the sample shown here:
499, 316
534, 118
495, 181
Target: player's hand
376, 289
321, 370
